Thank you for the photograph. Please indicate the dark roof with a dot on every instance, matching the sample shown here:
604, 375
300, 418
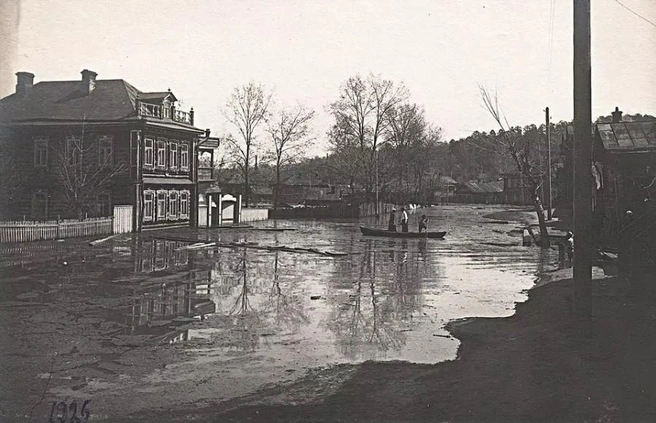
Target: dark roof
157, 96
209, 143
628, 136
112, 99
447, 180
65, 101
484, 187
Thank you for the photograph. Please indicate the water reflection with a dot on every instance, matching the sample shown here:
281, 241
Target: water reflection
373, 316
385, 300
175, 292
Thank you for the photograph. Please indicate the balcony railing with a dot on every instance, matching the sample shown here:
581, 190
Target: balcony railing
152, 110
160, 112
183, 117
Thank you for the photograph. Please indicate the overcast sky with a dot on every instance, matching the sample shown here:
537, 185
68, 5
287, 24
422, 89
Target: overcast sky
304, 50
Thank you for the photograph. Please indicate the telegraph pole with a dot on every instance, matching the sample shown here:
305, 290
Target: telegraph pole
376, 165
549, 197
582, 298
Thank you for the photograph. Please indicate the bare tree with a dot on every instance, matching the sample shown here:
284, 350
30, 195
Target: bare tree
84, 167
246, 109
361, 117
289, 130
346, 158
522, 151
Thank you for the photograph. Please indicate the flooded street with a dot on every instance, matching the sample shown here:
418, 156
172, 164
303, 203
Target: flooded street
146, 322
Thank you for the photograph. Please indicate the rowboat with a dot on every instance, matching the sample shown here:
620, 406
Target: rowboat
383, 232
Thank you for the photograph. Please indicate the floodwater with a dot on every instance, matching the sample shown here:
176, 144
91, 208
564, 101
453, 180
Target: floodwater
144, 322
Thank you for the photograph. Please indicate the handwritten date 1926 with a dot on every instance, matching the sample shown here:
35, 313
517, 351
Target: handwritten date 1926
68, 413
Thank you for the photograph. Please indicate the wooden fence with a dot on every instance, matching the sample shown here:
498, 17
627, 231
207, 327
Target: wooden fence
24, 231
122, 219
251, 215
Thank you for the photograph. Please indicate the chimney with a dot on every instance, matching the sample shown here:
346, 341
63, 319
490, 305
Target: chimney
617, 115
24, 81
88, 81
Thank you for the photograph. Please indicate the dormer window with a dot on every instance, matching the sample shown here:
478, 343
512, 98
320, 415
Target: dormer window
166, 109
162, 105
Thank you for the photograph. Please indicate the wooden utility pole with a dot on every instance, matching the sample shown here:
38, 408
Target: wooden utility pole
582, 300
549, 196
376, 181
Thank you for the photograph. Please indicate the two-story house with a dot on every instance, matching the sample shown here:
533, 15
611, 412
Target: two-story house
79, 148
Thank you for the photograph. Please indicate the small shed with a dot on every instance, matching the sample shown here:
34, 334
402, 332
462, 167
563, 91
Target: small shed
484, 192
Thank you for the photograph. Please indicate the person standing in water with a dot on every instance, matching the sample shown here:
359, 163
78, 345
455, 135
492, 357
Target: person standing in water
392, 222
404, 220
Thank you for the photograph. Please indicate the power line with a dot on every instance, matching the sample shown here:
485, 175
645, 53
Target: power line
552, 12
635, 13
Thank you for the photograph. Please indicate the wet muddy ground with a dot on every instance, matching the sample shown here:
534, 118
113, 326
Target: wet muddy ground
152, 322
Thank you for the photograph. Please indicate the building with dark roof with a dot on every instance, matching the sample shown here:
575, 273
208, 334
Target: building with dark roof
79, 148
483, 192
624, 171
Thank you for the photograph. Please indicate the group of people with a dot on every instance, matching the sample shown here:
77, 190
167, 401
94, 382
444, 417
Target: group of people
423, 222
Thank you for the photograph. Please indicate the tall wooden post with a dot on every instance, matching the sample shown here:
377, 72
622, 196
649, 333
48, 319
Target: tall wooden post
376, 211
549, 196
236, 219
582, 300
219, 209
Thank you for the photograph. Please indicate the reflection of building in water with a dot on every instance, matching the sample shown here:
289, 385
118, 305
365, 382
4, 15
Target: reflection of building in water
176, 291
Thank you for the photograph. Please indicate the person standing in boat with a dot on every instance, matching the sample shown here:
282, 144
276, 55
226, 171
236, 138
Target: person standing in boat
392, 221
404, 220
423, 224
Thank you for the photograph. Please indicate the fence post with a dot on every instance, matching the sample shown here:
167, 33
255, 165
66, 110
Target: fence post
58, 231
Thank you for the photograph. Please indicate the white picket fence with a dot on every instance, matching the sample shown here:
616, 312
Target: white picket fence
25, 231
252, 215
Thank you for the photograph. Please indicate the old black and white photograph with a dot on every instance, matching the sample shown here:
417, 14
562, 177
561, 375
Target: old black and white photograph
327, 211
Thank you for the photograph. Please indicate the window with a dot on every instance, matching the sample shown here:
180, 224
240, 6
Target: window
149, 206
173, 205
105, 151
184, 156
184, 204
149, 158
173, 155
74, 150
161, 153
40, 205
41, 152
161, 205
